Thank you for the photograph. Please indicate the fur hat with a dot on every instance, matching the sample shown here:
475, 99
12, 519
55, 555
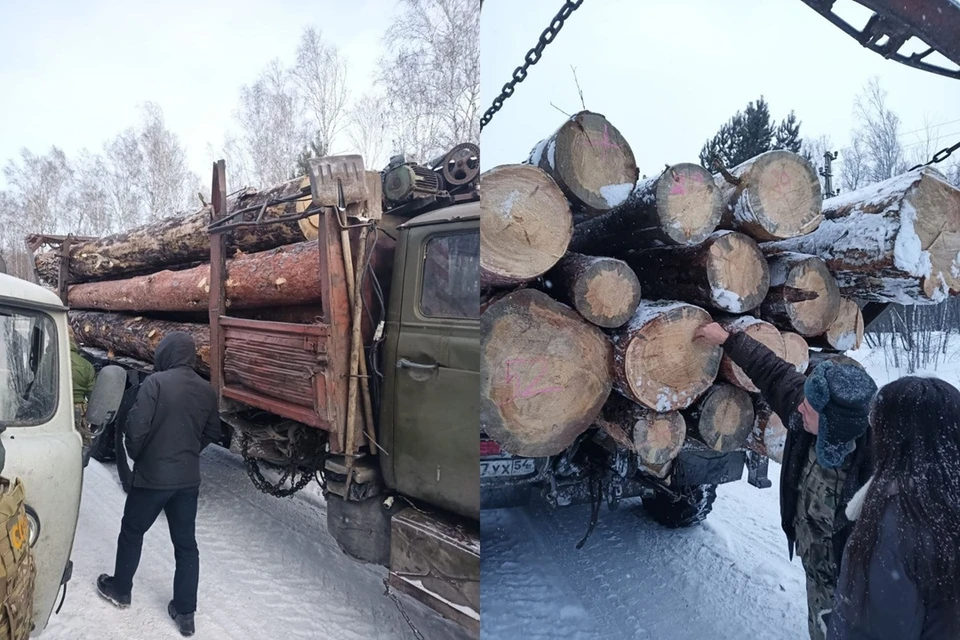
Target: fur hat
841, 394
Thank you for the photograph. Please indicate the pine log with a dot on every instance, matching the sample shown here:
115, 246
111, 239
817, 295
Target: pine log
819, 357
181, 239
803, 295
723, 419
603, 290
525, 225
796, 350
657, 361
136, 336
777, 196
846, 332
286, 276
726, 272
894, 241
545, 374
768, 436
764, 333
681, 206
590, 160
655, 437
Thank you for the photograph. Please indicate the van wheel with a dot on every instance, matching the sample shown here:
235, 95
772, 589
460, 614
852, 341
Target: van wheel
692, 508
124, 463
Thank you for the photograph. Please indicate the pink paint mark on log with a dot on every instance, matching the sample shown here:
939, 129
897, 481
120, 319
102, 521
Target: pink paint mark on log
526, 376
606, 142
680, 183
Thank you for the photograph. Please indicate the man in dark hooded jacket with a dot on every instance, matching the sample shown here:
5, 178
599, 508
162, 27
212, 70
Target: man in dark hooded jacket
174, 418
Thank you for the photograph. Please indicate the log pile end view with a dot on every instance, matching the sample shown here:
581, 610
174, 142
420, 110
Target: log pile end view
764, 333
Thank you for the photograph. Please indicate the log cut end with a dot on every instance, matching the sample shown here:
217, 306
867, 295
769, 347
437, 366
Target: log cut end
769, 436
804, 296
525, 224
545, 374
658, 363
737, 272
846, 332
725, 417
604, 290
933, 212
655, 437
764, 333
689, 203
779, 196
591, 161
796, 350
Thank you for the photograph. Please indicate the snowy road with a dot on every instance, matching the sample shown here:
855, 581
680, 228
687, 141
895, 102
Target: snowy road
268, 569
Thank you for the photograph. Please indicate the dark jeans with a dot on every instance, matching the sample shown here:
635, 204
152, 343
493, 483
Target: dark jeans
141, 511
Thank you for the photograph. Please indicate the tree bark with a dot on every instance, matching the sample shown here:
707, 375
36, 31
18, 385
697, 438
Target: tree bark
590, 160
844, 333
726, 272
819, 357
180, 240
545, 374
803, 295
723, 419
796, 350
764, 333
525, 225
895, 241
656, 438
136, 336
681, 206
605, 291
777, 196
657, 361
768, 436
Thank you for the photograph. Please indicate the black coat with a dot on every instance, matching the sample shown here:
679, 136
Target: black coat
782, 388
174, 418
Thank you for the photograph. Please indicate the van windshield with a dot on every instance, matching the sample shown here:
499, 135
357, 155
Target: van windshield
28, 367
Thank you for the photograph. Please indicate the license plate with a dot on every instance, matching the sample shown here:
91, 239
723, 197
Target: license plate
506, 467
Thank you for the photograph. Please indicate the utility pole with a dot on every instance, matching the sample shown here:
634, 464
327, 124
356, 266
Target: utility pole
827, 173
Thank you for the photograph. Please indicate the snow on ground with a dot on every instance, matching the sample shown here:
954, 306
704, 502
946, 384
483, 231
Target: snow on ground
268, 569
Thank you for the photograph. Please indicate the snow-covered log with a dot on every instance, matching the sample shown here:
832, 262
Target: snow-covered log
844, 333
545, 373
894, 241
657, 361
604, 291
723, 419
764, 333
803, 294
796, 351
768, 436
726, 272
655, 437
525, 224
776, 196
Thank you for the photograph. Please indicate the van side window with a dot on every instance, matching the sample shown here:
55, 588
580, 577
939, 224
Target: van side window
28, 367
451, 276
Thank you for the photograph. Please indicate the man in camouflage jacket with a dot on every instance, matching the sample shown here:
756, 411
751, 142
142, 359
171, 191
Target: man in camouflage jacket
825, 459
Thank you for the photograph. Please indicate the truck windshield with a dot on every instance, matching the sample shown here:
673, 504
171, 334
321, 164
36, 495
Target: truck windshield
28, 367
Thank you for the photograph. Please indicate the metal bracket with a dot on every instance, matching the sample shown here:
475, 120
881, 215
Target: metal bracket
757, 466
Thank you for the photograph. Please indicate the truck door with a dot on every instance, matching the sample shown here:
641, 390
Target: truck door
436, 368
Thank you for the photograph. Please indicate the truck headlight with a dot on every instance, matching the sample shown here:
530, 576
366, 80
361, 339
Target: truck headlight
33, 524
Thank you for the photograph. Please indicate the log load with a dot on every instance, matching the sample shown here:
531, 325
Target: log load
545, 374
525, 225
726, 272
604, 291
657, 361
844, 333
776, 196
764, 333
681, 206
723, 419
895, 241
286, 276
590, 160
803, 295
768, 436
796, 351
819, 357
180, 239
655, 437
136, 336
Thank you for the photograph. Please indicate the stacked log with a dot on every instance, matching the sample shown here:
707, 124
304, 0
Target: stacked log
769, 435
764, 333
796, 351
603, 290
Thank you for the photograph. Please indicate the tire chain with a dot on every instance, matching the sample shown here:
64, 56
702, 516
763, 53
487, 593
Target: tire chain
260, 482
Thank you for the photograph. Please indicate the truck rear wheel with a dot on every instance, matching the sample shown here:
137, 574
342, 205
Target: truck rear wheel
361, 528
692, 508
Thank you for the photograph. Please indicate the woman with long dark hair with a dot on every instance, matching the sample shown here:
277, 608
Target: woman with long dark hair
900, 578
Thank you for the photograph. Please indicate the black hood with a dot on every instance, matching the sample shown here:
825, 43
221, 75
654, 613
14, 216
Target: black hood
177, 349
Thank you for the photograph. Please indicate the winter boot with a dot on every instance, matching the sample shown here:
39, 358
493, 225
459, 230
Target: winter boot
184, 620
108, 592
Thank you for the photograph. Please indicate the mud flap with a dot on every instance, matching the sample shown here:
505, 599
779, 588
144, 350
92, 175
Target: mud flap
701, 466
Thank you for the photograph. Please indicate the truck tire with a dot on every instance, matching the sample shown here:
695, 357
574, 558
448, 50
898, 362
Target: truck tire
692, 508
361, 529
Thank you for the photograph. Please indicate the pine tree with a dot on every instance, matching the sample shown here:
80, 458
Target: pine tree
312, 149
748, 134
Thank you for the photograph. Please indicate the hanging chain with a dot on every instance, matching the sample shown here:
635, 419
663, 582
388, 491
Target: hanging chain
393, 596
939, 156
532, 58
260, 482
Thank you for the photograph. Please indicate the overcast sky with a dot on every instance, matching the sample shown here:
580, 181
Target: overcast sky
668, 73
72, 73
